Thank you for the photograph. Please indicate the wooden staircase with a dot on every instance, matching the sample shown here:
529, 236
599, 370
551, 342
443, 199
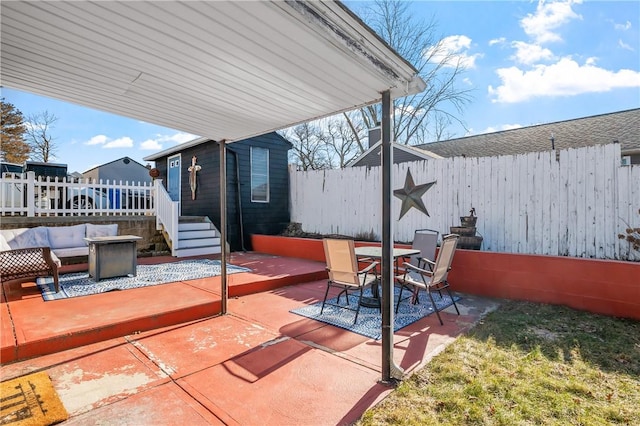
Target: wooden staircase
196, 236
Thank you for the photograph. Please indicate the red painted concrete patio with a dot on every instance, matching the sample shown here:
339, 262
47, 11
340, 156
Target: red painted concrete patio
32, 327
162, 355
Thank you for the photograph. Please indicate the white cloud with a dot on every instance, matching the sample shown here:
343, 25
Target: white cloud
97, 140
549, 16
528, 54
510, 126
564, 78
622, 27
625, 46
492, 129
125, 142
500, 40
453, 51
157, 143
177, 137
151, 145
409, 109
34, 127
106, 142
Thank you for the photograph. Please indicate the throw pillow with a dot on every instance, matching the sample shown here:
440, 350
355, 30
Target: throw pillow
4, 246
67, 236
102, 230
14, 237
41, 236
34, 237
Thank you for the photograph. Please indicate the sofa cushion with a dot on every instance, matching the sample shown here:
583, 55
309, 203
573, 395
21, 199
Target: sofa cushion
67, 236
71, 251
102, 230
11, 234
4, 245
34, 237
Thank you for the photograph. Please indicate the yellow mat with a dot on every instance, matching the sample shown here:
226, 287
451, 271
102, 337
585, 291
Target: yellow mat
30, 401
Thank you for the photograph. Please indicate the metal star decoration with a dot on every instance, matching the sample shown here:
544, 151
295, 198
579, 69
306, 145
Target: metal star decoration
411, 195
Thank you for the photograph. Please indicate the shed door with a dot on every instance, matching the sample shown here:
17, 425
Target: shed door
173, 177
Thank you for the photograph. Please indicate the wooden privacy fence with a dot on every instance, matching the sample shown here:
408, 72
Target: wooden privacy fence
571, 203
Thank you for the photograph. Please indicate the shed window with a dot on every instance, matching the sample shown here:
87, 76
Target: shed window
259, 175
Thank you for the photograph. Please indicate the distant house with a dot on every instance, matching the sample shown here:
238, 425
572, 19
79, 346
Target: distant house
257, 184
124, 169
401, 153
617, 127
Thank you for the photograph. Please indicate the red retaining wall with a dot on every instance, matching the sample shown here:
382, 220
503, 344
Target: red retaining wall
607, 287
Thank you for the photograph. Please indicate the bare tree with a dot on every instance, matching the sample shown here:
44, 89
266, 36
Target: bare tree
309, 148
341, 141
39, 138
418, 118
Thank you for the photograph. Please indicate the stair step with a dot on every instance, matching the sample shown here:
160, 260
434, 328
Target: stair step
202, 233
194, 226
197, 251
193, 219
196, 236
198, 242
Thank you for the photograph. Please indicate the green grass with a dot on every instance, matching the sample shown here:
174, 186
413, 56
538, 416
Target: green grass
526, 364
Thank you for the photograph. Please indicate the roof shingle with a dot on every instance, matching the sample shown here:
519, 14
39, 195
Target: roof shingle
622, 127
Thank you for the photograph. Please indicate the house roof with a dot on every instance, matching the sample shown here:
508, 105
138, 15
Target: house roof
115, 161
196, 142
401, 154
622, 127
224, 70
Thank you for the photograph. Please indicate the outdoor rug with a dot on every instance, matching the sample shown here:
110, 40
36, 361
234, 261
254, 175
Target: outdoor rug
370, 319
79, 284
30, 401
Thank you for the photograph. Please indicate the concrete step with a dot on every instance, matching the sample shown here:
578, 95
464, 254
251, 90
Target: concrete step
198, 242
197, 251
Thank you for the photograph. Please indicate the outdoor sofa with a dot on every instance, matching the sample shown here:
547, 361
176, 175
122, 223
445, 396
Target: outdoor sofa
34, 252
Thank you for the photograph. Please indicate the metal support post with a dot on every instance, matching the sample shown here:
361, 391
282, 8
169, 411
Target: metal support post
389, 369
223, 225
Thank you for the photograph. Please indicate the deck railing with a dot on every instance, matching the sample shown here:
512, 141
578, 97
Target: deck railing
28, 195
167, 214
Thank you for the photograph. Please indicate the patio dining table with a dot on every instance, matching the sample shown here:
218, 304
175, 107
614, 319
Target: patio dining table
374, 252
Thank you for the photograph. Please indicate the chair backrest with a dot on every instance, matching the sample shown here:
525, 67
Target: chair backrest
425, 240
342, 264
444, 259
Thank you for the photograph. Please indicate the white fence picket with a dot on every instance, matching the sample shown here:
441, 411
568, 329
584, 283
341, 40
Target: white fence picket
628, 207
574, 202
23, 194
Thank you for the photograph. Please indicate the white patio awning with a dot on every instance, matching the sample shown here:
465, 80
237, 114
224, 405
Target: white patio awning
218, 69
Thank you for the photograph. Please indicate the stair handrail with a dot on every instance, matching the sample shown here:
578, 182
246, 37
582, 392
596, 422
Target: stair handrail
167, 214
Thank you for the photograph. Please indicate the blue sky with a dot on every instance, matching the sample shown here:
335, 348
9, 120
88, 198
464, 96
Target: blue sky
528, 62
